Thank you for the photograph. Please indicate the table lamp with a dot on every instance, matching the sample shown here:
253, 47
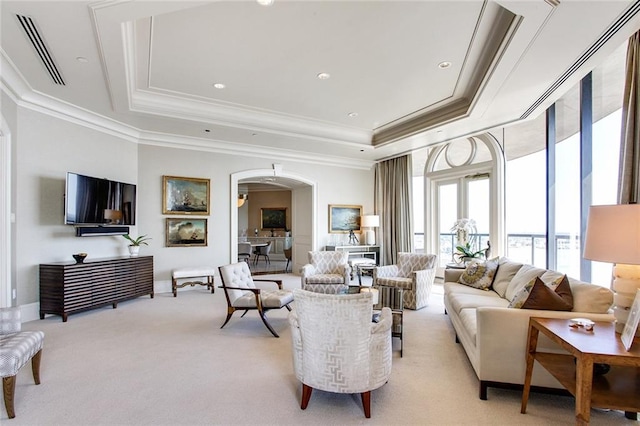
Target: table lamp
613, 235
370, 221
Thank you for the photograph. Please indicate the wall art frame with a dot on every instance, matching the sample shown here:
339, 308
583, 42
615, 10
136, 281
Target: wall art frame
631, 326
185, 195
273, 218
344, 218
186, 232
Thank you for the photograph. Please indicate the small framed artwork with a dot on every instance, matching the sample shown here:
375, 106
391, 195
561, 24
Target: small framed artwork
186, 232
344, 219
184, 195
273, 218
631, 325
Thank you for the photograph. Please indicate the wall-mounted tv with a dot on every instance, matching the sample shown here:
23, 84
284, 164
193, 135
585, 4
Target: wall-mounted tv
96, 201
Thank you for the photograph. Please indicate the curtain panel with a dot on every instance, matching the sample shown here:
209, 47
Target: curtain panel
393, 198
629, 174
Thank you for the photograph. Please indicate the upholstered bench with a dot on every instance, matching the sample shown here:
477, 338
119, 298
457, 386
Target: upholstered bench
202, 275
16, 349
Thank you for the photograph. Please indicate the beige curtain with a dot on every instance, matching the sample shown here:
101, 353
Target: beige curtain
394, 204
629, 174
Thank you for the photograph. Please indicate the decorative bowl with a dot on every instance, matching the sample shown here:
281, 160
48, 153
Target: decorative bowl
79, 257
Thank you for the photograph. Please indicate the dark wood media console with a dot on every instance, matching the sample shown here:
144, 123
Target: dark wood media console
67, 287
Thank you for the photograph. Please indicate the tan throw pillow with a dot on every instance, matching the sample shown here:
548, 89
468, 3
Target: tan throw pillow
479, 274
537, 295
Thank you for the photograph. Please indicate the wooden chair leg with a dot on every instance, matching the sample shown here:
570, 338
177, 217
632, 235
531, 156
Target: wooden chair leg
35, 366
8, 389
366, 403
230, 312
264, 320
306, 396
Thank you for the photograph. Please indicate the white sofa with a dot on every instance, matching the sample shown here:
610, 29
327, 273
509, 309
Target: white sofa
494, 336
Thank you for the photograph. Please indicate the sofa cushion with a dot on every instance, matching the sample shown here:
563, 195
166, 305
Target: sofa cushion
460, 301
537, 295
524, 275
506, 270
590, 297
479, 274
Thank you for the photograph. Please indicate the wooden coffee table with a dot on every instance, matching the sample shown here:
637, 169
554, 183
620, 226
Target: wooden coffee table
618, 389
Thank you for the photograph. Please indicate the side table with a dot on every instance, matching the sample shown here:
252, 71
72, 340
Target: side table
617, 389
392, 297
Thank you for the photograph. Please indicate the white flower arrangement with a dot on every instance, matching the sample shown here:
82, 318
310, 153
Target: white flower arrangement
466, 231
463, 228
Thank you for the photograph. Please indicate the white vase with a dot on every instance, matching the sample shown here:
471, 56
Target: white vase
134, 250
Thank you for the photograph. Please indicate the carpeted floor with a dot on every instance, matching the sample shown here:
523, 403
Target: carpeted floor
165, 361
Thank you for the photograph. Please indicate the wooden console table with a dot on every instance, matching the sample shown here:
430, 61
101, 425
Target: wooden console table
68, 287
618, 389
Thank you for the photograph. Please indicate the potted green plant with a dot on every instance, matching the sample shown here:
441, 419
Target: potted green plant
134, 247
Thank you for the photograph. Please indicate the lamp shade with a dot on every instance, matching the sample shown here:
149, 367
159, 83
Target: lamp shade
370, 221
613, 234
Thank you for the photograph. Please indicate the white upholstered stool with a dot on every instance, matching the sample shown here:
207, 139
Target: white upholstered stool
202, 275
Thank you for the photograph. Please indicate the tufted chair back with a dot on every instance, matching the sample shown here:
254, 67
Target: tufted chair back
328, 262
409, 262
237, 275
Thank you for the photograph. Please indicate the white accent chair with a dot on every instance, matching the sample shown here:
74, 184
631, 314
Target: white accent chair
242, 294
336, 346
327, 272
414, 273
16, 349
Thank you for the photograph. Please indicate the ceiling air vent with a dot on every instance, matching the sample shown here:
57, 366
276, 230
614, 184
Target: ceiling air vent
30, 29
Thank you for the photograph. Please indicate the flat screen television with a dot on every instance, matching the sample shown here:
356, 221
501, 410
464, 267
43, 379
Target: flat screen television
96, 201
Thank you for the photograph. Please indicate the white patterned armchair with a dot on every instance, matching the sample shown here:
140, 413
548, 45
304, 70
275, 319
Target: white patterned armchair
16, 349
327, 272
336, 346
414, 273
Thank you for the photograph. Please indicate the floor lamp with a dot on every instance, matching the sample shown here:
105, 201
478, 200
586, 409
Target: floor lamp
613, 235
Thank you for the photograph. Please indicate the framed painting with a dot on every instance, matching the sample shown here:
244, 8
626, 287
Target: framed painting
186, 232
184, 195
344, 219
273, 218
631, 325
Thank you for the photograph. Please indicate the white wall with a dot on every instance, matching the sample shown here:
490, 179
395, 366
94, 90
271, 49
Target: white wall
336, 186
44, 148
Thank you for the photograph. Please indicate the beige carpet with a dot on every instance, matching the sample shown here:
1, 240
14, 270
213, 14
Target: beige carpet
165, 361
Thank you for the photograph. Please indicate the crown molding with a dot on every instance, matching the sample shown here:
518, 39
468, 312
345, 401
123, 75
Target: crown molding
15, 86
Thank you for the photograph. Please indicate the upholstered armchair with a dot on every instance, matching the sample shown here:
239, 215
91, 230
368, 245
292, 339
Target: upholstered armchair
16, 349
414, 273
242, 294
336, 346
327, 272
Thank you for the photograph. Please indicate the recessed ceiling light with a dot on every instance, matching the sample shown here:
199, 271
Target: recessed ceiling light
444, 65
219, 85
353, 114
324, 76
82, 59
265, 2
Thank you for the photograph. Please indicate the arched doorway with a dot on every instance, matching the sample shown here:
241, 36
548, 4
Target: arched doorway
303, 208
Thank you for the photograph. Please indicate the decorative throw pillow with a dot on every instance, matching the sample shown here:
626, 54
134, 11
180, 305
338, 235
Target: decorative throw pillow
479, 274
537, 295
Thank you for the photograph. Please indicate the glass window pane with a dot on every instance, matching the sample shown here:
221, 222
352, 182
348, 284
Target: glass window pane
608, 89
418, 214
568, 186
447, 215
526, 205
479, 197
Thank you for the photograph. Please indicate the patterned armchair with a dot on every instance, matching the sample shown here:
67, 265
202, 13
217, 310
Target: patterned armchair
336, 346
16, 349
327, 272
414, 273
